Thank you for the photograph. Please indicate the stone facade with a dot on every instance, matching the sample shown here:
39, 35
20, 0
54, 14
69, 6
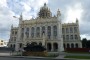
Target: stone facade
47, 31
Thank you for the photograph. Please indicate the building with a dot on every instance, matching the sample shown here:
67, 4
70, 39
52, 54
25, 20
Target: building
46, 30
3, 43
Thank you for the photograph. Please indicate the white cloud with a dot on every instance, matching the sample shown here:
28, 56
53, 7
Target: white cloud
3, 3
74, 12
85, 36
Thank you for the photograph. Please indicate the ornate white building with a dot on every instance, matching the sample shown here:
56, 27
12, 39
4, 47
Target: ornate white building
47, 31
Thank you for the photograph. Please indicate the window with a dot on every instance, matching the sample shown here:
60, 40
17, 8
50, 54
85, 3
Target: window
76, 37
55, 31
14, 38
32, 32
22, 32
49, 31
63, 37
71, 36
43, 30
63, 30
71, 30
15, 32
12, 32
1, 40
67, 30
1, 43
38, 32
27, 32
75, 29
67, 37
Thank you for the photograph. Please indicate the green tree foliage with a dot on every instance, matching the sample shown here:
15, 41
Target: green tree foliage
85, 43
34, 47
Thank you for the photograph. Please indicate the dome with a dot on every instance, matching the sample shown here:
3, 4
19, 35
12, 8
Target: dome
44, 12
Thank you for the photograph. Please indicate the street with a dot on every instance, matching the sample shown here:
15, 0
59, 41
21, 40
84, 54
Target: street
24, 58
13, 58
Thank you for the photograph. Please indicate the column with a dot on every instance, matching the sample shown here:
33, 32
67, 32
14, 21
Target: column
51, 32
40, 31
34, 32
16, 47
46, 31
51, 47
29, 32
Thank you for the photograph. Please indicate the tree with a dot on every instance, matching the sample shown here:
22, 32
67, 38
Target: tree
84, 43
34, 47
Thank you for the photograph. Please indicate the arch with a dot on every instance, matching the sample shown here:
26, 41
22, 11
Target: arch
72, 45
55, 31
64, 45
11, 45
68, 46
55, 46
76, 45
48, 46
14, 46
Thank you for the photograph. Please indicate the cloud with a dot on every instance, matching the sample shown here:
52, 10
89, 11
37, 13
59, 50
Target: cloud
30, 8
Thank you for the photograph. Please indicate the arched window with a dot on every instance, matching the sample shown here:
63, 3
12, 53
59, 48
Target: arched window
71, 37
68, 46
14, 46
76, 45
32, 32
71, 30
49, 31
43, 30
63, 30
38, 31
64, 45
67, 37
22, 32
55, 47
11, 45
27, 32
72, 45
75, 30
67, 30
20, 45
49, 47
76, 37
55, 31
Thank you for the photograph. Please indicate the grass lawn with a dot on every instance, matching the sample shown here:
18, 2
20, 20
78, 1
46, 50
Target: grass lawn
78, 57
80, 52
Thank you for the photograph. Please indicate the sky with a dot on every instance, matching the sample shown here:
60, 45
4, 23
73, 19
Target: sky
70, 10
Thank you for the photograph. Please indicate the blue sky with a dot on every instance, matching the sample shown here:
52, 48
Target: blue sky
70, 10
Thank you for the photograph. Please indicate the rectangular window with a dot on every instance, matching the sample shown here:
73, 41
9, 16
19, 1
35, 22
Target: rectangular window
1, 43
67, 37
15, 32
76, 37
67, 30
75, 29
71, 37
71, 30
63, 30
63, 37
